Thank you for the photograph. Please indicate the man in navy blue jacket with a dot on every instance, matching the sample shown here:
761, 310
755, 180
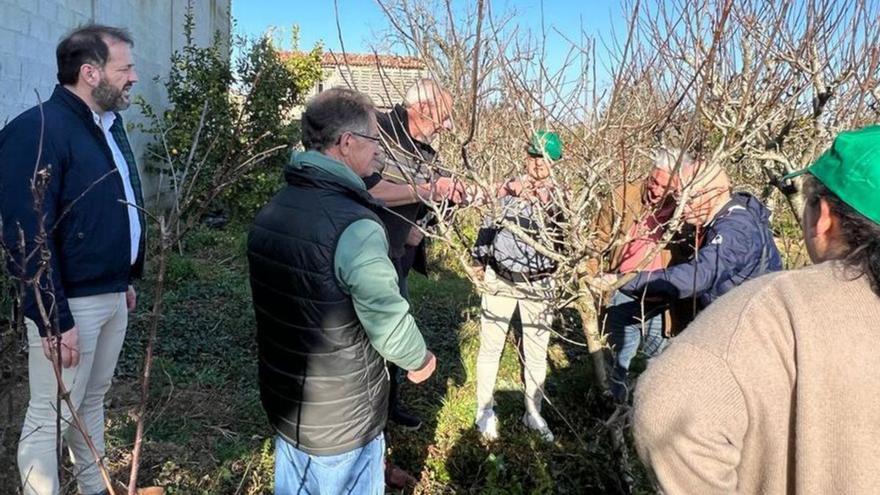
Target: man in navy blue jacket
83, 244
734, 244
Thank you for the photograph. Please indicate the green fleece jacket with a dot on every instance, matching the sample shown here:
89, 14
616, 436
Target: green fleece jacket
365, 272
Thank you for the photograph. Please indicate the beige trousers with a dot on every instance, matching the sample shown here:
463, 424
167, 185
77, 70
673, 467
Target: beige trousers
101, 320
498, 306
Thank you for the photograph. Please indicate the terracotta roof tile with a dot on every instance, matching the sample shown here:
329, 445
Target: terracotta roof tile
333, 59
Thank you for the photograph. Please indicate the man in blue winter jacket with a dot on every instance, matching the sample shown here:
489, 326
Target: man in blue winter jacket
83, 245
733, 243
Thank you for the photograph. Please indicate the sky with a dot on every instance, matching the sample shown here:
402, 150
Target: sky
362, 21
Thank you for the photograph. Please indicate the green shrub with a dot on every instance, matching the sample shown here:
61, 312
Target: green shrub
274, 83
199, 82
8, 292
180, 269
238, 108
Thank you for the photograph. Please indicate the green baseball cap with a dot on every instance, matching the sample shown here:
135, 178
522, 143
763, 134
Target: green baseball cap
851, 170
546, 144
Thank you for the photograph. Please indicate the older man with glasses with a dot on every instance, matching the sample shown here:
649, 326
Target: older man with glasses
774, 388
408, 175
733, 243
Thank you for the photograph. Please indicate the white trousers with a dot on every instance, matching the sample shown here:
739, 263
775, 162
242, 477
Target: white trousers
101, 320
498, 306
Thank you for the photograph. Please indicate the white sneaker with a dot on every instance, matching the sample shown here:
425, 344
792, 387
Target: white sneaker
487, 424
537, 423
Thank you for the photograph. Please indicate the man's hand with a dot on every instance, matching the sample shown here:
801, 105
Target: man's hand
131, 298
474, 195
442, 188
479, 272
69, 347
459, 193
449, 188
427, 369
605, 281
513, 187
415, 236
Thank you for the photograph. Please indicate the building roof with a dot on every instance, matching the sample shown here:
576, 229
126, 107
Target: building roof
334, 59
372, 60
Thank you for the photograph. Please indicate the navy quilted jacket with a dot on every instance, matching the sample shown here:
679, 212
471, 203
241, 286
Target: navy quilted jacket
737, 245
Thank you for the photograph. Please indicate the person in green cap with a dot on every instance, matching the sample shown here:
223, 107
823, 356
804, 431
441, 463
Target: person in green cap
518, 277
774, 387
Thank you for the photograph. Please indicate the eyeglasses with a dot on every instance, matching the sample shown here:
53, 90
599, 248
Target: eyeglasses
375, 139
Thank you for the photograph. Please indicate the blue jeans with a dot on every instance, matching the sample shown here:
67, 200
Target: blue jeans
356, 472
625, 321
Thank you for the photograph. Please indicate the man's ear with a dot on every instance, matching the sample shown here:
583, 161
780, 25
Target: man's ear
826, 222
344, 145
90, 75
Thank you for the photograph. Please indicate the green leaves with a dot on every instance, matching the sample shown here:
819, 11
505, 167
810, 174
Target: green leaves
248, 107
274, 83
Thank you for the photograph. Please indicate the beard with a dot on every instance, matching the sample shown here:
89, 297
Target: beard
110, 98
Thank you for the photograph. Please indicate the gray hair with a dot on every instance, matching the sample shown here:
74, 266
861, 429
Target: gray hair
423, 91
666, 159
333, 112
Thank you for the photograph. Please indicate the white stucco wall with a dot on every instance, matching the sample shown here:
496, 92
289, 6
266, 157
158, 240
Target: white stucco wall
30, 30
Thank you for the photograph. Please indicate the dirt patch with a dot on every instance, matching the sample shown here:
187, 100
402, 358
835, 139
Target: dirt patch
179, 413
13, 404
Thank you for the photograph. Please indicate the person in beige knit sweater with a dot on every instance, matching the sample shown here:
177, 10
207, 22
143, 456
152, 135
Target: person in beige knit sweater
775, 388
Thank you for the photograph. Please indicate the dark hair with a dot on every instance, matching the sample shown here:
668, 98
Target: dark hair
86, 45
333, 112
861, 235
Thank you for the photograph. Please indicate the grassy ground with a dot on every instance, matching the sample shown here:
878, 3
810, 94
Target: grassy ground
206, 432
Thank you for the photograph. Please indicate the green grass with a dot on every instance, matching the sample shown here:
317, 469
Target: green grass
206, 431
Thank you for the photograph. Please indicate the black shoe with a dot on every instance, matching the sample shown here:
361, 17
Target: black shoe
404, 419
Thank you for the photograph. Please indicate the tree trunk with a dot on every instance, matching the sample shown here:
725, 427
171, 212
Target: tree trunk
795, 202
586, 307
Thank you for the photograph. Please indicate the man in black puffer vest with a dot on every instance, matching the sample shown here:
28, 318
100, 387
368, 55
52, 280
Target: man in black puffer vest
329, 312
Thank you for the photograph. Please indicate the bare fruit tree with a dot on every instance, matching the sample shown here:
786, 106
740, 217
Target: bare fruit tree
758, 87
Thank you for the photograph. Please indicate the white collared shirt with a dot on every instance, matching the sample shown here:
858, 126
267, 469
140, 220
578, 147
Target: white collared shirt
105, 121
